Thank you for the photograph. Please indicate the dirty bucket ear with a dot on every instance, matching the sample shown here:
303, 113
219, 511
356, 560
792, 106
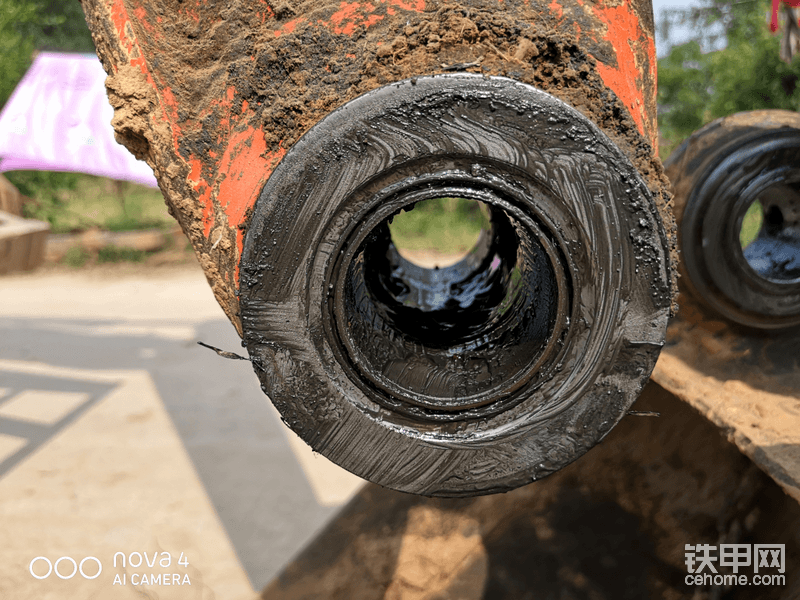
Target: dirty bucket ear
481, 392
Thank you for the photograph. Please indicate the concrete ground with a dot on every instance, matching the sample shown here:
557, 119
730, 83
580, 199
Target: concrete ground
121, 438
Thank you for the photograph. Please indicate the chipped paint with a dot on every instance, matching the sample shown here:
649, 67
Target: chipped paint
353, 14
625, 33
618, 27
217, 176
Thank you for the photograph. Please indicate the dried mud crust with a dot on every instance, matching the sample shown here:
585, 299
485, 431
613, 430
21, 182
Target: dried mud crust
745, 383
452, 37
291, 64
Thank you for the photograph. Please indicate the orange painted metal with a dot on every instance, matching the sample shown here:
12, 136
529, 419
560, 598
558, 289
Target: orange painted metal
211, 157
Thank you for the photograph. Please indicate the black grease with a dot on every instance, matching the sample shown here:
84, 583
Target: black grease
718, 174
462, 394
775, 253
450, 334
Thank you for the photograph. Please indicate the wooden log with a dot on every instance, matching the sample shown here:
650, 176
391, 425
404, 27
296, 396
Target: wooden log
22, 243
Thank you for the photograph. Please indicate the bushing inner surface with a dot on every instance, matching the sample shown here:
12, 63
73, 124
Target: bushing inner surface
775, 253
438, 342
489, 373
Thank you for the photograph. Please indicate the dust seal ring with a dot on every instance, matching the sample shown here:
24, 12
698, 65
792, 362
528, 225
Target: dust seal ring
491, 373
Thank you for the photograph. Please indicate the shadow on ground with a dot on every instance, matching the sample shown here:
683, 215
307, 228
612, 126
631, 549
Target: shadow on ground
613, 525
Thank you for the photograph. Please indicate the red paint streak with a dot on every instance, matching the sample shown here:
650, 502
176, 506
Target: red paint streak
624, 30
289, 27
369, 22
192, 14
140, 62
268, 13
773, 25
244, 167
271, 160
170, 110
128, 43
141, 15
556, 8
200, 185
245, 164
346, 12
352, 15
119, 16
412, 5
194, 173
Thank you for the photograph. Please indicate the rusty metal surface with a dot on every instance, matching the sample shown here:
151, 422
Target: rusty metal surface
747, 384
212, 95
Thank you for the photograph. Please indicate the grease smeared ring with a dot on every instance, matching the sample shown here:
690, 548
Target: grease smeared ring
717, 174
511, 383
433, 372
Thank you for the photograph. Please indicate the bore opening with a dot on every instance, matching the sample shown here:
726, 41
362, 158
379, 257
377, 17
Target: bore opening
751, 224
770, 233
439, 232
443, 343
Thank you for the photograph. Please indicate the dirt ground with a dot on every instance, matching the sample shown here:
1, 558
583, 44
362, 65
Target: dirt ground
612, 525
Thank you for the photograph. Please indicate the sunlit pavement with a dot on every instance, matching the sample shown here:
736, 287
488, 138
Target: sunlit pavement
121, 437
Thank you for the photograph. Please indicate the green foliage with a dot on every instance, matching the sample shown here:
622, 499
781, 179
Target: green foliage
61, 27
77, 256
697, 87
74, 202
114, 254
27, 25
443, 225
684, 91
751, 224
46, 189
15, 46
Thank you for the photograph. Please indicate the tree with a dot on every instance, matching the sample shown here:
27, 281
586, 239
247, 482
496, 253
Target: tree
61, 26
26, 26
697, 87
16, 46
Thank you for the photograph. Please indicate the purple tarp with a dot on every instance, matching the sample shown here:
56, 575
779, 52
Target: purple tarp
59, 119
